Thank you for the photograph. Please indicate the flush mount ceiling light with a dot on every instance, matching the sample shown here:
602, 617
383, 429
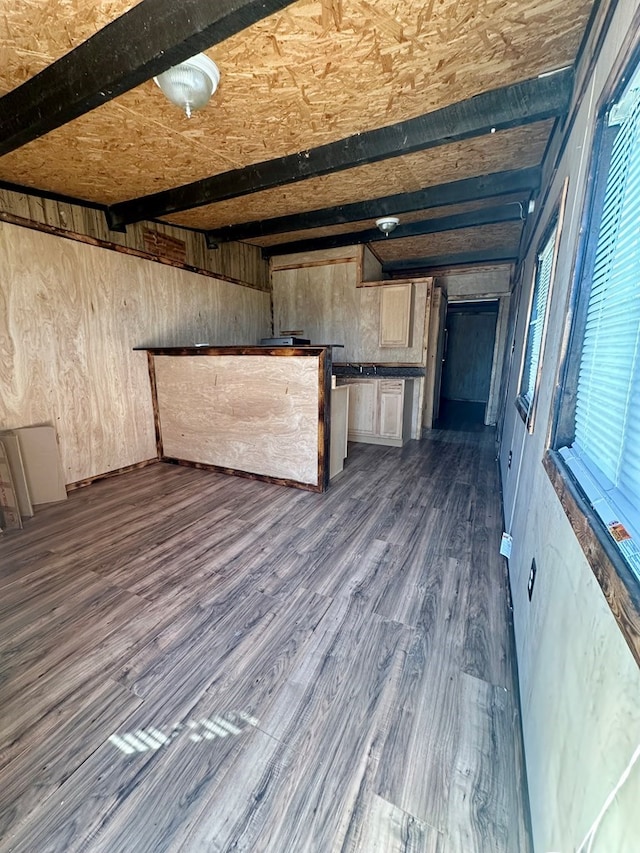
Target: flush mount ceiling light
190, 84
387, 224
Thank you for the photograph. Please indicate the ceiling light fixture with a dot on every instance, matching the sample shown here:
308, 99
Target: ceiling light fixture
387, 224
190, 84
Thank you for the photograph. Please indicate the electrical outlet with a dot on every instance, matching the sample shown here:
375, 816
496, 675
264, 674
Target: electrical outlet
510, 459
532, 579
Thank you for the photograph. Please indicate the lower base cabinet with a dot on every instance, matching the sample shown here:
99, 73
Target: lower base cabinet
379, 410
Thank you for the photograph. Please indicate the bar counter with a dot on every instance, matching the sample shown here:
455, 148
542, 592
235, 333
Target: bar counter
257, 412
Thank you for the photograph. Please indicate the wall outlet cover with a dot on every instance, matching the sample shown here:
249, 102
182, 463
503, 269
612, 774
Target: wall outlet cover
505, 545
532, 579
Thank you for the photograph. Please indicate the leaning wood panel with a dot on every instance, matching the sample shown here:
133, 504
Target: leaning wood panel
255, 414
304, 63
508, 149
70, 315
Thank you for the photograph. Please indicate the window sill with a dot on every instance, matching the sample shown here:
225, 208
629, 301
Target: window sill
522, 409
616, 580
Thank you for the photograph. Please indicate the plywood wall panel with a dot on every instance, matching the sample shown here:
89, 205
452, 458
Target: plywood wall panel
70, 315
327, 304
237, 261
257, 414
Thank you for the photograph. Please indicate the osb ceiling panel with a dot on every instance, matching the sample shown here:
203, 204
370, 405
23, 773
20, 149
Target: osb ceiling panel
485, 237
312, 74
34, 33
405, 218
507, 149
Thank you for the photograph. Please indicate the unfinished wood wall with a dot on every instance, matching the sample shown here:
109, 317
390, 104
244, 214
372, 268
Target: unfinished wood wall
237, 261
324, 300
323, 297
70, 315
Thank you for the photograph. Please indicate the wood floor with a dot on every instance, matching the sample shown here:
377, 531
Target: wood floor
197, 662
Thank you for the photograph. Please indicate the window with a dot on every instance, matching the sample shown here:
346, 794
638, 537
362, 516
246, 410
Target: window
601, 441
537, 323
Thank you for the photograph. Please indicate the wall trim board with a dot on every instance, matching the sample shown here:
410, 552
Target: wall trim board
33, 225
309, 264
107, 475
236, 472
520, 747
619, 587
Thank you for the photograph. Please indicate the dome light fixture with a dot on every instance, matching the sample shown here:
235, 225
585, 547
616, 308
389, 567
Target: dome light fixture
387, 224
190, 84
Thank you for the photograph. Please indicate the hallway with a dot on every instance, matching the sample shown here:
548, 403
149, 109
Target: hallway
198, 662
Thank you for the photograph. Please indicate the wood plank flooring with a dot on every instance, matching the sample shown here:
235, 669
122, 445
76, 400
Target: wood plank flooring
195, 662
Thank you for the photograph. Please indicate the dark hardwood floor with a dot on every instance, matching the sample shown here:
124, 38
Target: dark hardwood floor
197, 662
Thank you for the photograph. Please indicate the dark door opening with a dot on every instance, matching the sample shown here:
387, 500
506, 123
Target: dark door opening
468, 360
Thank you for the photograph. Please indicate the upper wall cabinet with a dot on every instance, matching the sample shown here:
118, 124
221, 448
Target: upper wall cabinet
395, 315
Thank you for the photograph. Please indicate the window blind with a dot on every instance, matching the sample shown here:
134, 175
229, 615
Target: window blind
537, 318
607, 422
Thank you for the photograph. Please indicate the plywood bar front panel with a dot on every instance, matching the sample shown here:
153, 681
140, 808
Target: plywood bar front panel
256, 414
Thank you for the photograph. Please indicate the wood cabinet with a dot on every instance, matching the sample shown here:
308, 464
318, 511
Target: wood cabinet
395, 314
379, 410
362, 406
339, 429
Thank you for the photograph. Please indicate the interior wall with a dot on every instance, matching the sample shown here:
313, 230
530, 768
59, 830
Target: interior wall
579, 682
237, 261
70, 315
327, 303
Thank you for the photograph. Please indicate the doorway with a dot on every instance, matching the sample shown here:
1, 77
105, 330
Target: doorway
469, 344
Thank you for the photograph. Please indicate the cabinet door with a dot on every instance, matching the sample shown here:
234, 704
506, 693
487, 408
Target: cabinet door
395, 315
391, 408
362, 406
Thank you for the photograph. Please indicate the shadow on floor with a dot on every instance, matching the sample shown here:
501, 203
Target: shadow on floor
461, 416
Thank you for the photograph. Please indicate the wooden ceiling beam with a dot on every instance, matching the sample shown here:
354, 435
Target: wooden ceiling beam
424, 266
512, 212
510, 106
525, 181
148, 39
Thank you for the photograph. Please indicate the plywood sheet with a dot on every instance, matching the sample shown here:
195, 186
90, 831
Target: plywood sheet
289, 82
508, 149
42, 466
9, 513
70, 315
14, 455
339, 432
327, 303
257, 414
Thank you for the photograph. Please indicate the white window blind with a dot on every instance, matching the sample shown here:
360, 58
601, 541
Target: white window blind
607, 422
537, 319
